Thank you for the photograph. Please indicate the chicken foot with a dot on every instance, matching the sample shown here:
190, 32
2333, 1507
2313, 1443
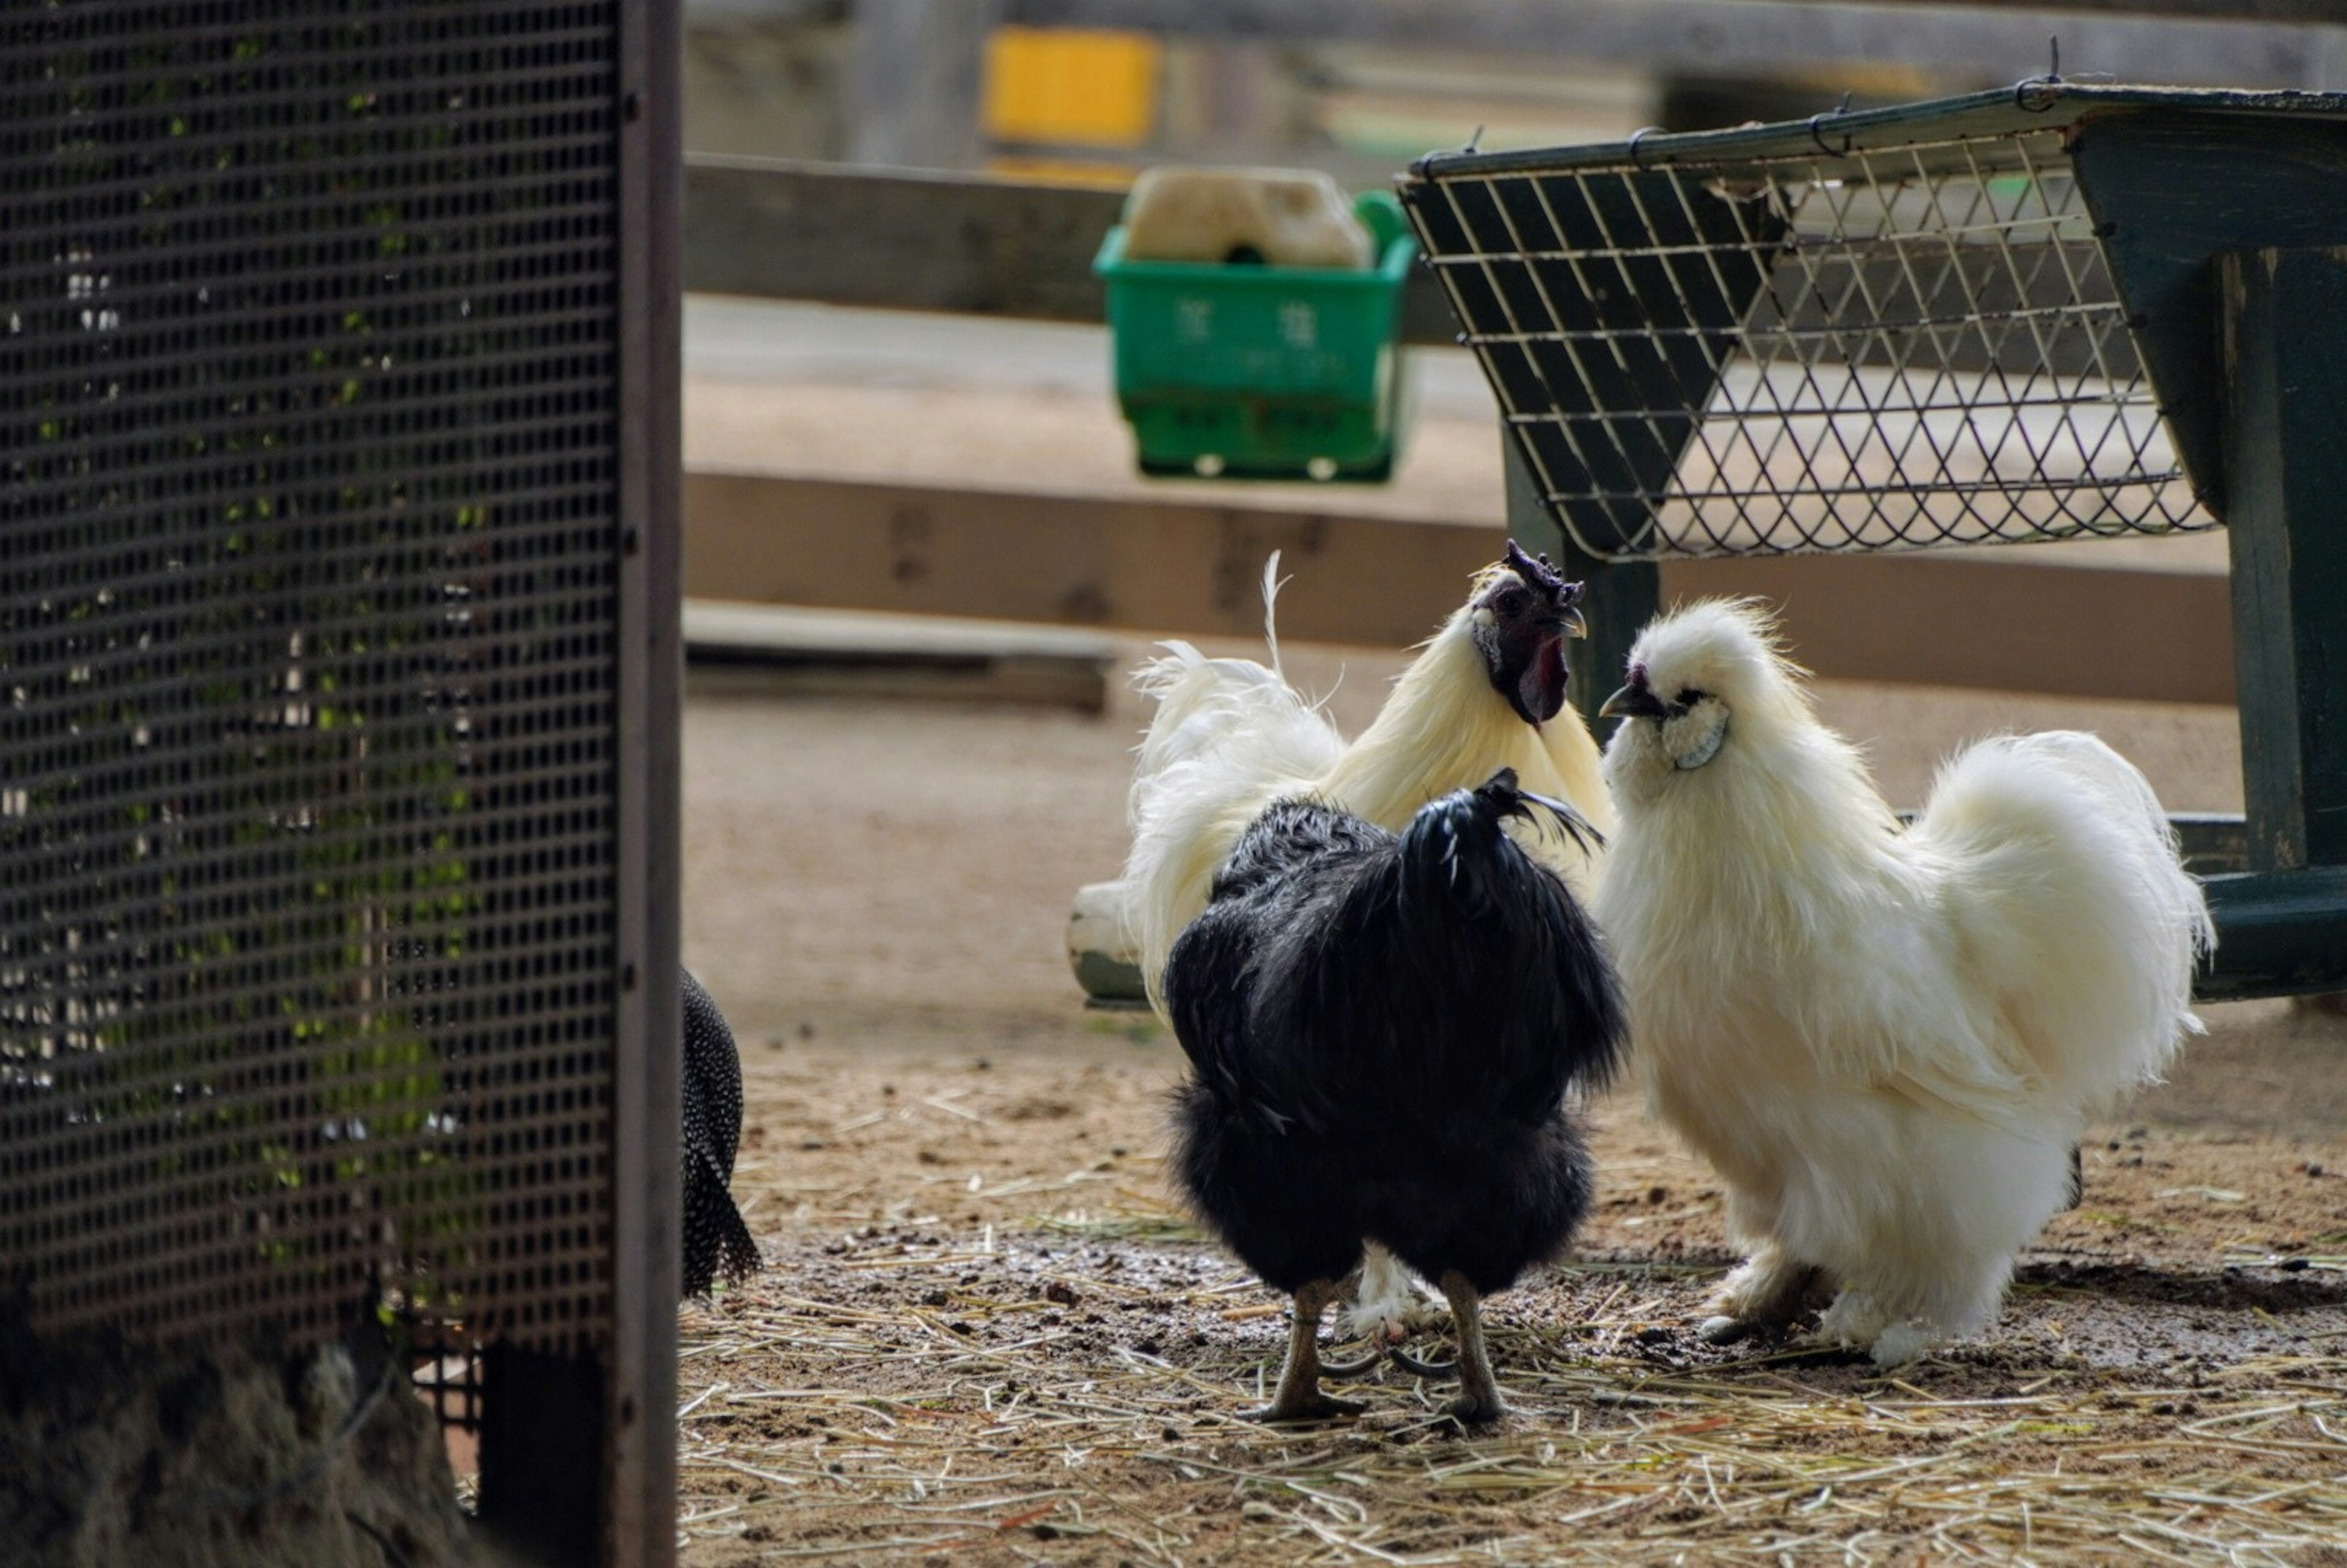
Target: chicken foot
1479, 1392
1762, 1298
1299, 1397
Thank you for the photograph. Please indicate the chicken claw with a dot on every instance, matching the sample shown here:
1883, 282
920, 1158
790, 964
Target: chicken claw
1412, 1364
1760, 1299
1725, 1330
1355, 1368
1299, 1397
1314, 1406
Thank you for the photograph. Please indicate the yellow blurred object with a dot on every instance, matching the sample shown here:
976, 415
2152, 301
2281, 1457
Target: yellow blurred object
1063, 172
1068, 85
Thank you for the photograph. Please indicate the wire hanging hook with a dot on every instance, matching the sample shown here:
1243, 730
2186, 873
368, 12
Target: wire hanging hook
1817, 134
2036, 95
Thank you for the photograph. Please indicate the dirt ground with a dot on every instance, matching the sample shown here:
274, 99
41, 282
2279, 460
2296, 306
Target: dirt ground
985, 1335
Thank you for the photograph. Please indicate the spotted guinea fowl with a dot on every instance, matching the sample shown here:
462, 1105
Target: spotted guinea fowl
1383, 1028
716, 1241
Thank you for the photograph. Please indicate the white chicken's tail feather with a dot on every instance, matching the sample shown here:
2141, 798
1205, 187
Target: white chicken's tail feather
1227, 737
2070, 897
1206, 706
1272, 583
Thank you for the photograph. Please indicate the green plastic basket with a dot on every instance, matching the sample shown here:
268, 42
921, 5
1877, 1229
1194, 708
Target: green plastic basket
1262, 373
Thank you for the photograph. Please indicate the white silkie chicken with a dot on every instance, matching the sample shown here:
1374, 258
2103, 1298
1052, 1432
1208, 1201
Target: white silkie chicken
1229, 736
1886, 1042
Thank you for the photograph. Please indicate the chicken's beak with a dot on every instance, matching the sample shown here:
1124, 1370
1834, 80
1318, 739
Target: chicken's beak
1573, 625
1635, 701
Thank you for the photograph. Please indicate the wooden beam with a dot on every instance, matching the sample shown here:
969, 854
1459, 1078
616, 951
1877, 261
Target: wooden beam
842, 235
1184, 564
2142, 40
1189, 563
1408, 17
836, 653
1991, 618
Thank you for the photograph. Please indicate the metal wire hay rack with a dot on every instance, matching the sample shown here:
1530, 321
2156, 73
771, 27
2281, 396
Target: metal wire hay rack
1883, 330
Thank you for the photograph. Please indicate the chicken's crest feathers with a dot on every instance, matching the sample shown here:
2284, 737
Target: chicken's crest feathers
1733, 647
1511, 800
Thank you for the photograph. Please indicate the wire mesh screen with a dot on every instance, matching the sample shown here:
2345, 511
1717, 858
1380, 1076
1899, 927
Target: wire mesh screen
308, 661
1831, 349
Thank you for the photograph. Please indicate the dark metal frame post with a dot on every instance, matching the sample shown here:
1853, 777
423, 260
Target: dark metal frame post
578, 1451
1621, 598
2283, 314
639, 1458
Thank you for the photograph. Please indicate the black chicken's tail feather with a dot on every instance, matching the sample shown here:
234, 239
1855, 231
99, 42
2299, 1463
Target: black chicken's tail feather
1502, 794
1520, 953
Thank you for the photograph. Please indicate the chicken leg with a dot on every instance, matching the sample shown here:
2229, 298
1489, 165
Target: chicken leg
1479, 1392
1298, 1398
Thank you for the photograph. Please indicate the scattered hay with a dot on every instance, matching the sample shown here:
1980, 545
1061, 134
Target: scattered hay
909, 1392
994, 1341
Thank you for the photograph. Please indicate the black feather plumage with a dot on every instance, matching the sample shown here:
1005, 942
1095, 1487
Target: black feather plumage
1383, 1029
716, 1240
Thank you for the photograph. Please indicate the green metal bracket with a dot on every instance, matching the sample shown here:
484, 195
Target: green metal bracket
2279, 374
2170, 192
2284, 359
2278, 934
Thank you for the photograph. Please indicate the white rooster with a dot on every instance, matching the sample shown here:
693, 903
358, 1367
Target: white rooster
1885, 1043
1229, 736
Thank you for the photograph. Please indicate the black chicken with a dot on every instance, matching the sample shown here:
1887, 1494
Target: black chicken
716, 1241
1383, 1029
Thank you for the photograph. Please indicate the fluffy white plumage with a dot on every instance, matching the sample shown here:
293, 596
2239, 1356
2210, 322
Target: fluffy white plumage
1886, 1042
1229, 736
